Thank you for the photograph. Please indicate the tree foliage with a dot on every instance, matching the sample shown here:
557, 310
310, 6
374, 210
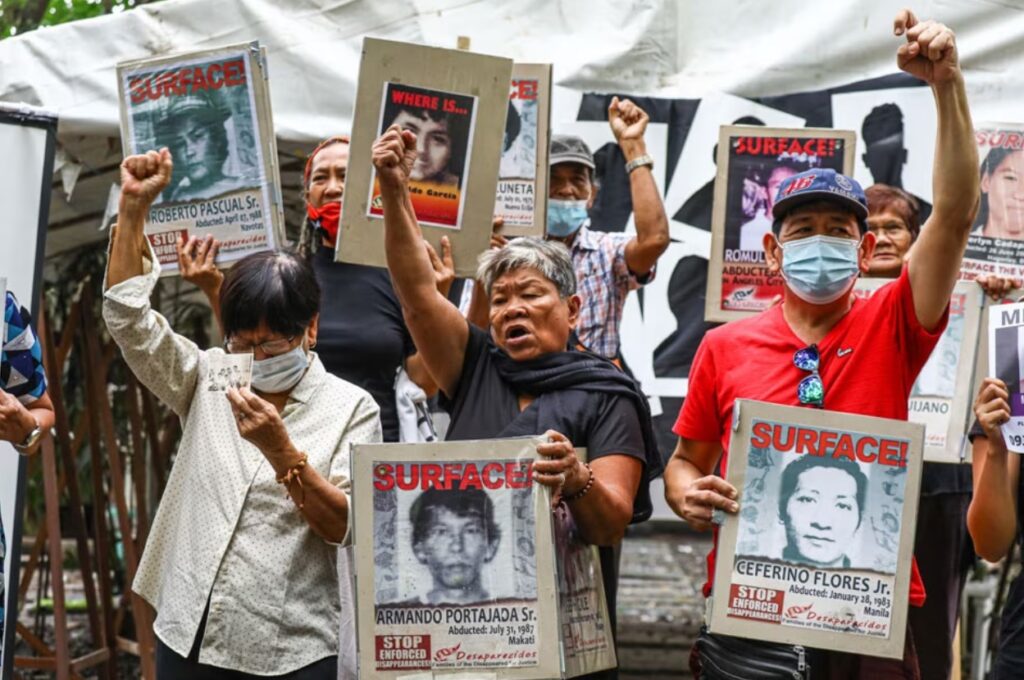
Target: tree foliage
20, 16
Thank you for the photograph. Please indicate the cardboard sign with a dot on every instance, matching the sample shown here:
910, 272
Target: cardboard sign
752, 162
212, 110
820, 551
982, 363
460, 568
943, 393
996, 244
1005, 361
456, 103
522, 196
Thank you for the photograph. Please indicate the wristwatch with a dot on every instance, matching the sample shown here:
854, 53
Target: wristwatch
33, 437
638, 161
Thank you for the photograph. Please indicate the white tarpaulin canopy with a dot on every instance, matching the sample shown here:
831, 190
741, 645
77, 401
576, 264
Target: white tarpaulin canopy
716, 54
659, 47
676, 49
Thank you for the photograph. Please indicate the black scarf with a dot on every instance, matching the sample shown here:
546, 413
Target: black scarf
582, 370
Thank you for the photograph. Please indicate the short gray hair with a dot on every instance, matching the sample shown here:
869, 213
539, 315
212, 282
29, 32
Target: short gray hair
550, 258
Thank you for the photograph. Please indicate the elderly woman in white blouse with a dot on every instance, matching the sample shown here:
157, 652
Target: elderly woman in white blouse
240, 564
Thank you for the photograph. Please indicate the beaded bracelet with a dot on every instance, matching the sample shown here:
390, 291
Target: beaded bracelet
586, 487
293, 474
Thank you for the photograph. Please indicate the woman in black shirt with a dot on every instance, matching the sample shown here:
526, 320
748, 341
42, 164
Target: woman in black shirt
519, 378
363, 338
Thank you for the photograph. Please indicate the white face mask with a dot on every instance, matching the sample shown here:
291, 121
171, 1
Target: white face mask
281, 373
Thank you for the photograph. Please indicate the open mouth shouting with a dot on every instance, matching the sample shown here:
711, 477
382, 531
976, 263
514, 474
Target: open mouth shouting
517, 335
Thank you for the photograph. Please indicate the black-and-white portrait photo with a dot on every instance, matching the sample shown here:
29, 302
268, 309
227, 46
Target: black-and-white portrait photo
211, 133
453, 546
519, 147
820, 511
455, 536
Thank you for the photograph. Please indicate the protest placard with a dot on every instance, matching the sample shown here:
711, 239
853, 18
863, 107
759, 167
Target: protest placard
211, 109
820, 552
456, 103
1005, 360
522, 196
943, 393
996, 244
585, 630
455, 565
752, 162
981, 361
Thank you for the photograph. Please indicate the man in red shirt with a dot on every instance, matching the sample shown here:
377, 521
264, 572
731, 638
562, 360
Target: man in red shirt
870, 350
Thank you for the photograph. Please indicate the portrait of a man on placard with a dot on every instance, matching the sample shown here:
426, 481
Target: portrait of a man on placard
820, 511
821, 506
519, 146
454, 535
451, 546
210, 127
442, 137
195, 133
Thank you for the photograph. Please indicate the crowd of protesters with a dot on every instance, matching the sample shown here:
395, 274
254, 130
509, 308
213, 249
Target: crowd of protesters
233, 564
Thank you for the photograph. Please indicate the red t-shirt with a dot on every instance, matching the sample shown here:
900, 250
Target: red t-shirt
869, 362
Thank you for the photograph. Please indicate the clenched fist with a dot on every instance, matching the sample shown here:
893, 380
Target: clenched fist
393, 156
930, 51
143, 177
627, 120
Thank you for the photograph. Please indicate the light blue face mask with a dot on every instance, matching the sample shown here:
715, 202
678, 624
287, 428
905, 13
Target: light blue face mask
820, 269
281, 373
565, 217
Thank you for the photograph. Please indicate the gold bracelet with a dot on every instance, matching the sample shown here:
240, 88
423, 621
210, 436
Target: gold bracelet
293, 474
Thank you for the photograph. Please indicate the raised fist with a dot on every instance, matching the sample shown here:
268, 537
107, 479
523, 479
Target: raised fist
628, 121
143, 177
393, 156
930, 51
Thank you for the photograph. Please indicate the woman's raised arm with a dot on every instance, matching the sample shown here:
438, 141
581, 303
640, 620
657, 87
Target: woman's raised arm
438, 329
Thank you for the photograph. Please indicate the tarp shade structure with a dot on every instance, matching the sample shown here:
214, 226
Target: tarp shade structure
696, 65
658, 47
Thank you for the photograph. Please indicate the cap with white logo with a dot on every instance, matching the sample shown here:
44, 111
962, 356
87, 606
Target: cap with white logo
820, 184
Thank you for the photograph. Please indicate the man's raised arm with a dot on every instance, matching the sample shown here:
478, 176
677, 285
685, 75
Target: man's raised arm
930, 54
629, 122
437, 328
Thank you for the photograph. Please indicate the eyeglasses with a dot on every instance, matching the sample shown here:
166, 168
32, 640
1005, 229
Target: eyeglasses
271, 348
890, 230
811, 390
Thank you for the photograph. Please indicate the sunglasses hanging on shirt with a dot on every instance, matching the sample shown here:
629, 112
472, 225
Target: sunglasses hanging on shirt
811, 390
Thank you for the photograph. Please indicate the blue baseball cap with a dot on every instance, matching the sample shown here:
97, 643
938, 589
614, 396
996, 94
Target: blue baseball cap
820, 184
